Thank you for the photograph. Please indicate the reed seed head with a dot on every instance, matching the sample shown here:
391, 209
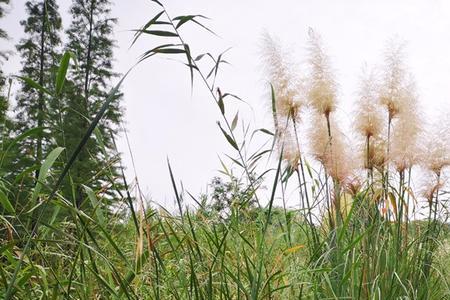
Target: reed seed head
368, 117
377, 154
288, 89
404, 152
436, 148
431, 188
393, 91
291, 154
334, 153
322, 86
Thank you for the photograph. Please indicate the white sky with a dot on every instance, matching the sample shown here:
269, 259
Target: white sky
162, 118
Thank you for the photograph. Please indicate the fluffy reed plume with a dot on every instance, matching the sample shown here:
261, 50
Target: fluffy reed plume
333, 154
376, 156
289, 148
289, 95
430, 187
436, 149
353, 184
368, 119
404, 152
288, 89
393, 91
322, 86
292, 156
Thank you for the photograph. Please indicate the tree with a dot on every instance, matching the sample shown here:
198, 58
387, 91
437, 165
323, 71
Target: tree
40, 57
3, 55
227, 194
90, 39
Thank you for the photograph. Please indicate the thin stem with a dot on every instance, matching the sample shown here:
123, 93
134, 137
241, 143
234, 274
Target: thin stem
386, 178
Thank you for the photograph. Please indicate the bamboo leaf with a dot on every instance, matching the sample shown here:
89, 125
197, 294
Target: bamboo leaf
294, 249
221, 104
33, 84
6, 203
265, 131
228, 137
163, 33
96, 205
156, 1
145, 27
234, 122
62, 71
44, 171
30, 132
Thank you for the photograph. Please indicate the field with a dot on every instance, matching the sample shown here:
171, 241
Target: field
359, 230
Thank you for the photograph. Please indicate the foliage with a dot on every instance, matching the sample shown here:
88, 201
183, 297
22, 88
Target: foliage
90, 39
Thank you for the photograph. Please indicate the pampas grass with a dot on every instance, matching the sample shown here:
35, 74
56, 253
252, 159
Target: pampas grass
406, 132
335, 156
368, 119
322, 85
435, 148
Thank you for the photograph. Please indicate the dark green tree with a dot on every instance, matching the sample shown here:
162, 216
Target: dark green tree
40, 57
90, 39
39, 50
3, 83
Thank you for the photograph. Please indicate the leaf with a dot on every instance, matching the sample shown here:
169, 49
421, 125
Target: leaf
199, 57
228, 137
221, 104
19, 138
174, 185
234, 122
96, 205
147, 25
294, 249
156, 1
233, 96
189, 64
158, 32
35, 85
62, 71
183, 19
265, 131
393, 203
164, 49
5, 203
44, 170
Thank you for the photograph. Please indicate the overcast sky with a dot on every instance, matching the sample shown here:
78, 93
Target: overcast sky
164, 120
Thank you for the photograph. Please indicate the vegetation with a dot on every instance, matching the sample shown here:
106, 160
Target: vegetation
71, 229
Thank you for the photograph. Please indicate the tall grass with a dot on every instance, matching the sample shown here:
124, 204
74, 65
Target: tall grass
354, 235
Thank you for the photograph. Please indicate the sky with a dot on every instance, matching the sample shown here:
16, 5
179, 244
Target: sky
165, 119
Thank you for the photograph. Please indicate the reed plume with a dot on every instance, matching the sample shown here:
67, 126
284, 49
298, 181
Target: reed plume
288, 89
405, 148
393, 91
435, 150
430, 188
335, 156
322, 85
376, 156
368, 123
368, 119
288, 99
288, 145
